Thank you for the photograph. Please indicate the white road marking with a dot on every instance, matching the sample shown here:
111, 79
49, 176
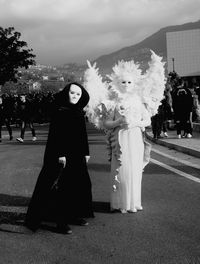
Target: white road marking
188, 163
181, 173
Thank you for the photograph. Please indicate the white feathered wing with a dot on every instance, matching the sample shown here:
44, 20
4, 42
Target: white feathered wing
98, 91
153, 84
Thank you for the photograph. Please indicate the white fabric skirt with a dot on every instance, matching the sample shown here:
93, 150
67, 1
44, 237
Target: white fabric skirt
127, 195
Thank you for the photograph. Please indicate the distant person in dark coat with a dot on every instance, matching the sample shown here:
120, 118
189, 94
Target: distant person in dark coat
159, 120
67, 147
182, 103
4, 119
25, 113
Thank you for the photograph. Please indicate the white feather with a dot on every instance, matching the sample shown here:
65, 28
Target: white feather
98, 91
153, 83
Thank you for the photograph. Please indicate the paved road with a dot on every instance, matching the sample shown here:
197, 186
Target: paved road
166, 232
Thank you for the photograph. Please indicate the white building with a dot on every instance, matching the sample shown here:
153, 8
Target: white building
183, 52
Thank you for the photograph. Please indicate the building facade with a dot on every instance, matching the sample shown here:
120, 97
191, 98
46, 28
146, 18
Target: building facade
183, 52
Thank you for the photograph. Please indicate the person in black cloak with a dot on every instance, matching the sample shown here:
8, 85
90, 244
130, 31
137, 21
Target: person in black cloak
67, 147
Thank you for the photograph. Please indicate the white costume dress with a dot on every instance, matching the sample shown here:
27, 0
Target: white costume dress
127, 156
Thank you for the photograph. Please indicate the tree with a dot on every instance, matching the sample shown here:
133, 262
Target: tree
14, 55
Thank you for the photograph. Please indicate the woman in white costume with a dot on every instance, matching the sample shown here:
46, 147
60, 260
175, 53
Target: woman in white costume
123, 110
126, 126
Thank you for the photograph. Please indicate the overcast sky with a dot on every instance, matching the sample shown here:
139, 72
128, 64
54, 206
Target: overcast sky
64, 31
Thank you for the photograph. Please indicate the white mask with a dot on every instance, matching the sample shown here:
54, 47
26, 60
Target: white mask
75, 93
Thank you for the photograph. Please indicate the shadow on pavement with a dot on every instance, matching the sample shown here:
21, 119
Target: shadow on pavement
101, 207
12, 220
99, 167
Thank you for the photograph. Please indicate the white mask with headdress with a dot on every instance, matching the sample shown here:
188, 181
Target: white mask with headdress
128, 87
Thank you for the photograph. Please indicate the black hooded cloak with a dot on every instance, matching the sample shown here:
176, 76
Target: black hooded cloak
67, 137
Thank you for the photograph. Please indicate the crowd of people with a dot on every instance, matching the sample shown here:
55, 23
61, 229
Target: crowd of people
24, 109
180, 105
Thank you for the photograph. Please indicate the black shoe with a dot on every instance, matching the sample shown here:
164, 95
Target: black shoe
33, 228
80, 221
11, 137
63, 229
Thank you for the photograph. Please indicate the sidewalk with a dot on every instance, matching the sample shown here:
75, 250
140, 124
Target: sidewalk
189, 146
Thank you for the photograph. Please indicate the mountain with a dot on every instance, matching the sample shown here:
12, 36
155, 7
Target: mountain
140, 52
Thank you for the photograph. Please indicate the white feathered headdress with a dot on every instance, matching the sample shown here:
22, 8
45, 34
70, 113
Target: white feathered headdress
104, 96
121, 71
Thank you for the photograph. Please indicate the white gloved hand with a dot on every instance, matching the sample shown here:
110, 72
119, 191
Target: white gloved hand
62, 160
87, 158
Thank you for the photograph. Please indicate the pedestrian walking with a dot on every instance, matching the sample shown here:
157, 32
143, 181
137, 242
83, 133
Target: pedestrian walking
160, 119
182, 103
65, 166
4, 119
25, 112
157, 123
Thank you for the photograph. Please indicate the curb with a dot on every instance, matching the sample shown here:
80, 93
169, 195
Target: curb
182, 149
